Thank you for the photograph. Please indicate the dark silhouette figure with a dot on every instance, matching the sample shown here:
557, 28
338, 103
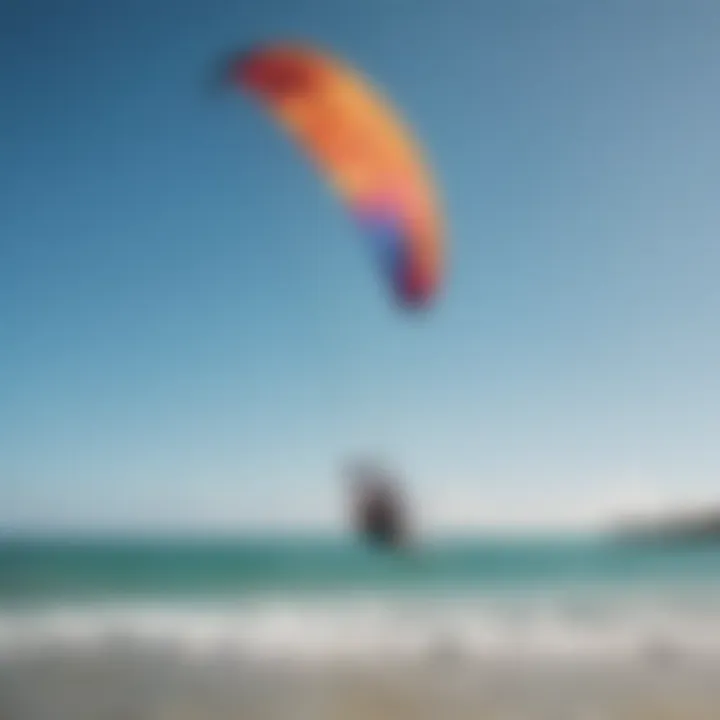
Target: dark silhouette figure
379, 513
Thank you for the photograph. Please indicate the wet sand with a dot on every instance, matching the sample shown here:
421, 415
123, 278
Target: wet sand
129, 685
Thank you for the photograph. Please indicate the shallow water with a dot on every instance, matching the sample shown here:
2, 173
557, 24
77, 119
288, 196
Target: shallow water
290, 629
49, 569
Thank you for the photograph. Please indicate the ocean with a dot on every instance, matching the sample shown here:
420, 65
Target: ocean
284, 603
577, 585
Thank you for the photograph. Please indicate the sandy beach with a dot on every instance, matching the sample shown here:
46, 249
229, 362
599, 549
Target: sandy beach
123, 683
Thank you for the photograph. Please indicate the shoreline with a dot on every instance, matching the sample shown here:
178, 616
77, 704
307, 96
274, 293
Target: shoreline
159, 687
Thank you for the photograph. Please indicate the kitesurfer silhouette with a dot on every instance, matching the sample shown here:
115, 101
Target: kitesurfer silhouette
379, 513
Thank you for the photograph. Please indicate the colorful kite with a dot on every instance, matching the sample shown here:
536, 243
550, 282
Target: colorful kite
364, 151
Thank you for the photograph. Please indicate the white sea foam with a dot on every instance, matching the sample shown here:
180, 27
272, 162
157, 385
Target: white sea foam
365, 628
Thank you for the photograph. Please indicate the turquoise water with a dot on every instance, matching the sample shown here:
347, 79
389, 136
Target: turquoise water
297, 598
43, 570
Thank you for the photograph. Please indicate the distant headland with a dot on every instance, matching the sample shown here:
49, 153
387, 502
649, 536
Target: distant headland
690, 526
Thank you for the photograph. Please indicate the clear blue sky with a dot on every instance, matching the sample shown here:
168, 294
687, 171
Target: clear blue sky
192, 333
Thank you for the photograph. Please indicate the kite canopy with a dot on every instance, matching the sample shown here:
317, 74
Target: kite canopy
363, 150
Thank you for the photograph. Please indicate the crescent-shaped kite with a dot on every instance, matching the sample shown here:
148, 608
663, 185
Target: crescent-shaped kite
365, 152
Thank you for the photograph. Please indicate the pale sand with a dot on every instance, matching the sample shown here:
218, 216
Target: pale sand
132, 687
